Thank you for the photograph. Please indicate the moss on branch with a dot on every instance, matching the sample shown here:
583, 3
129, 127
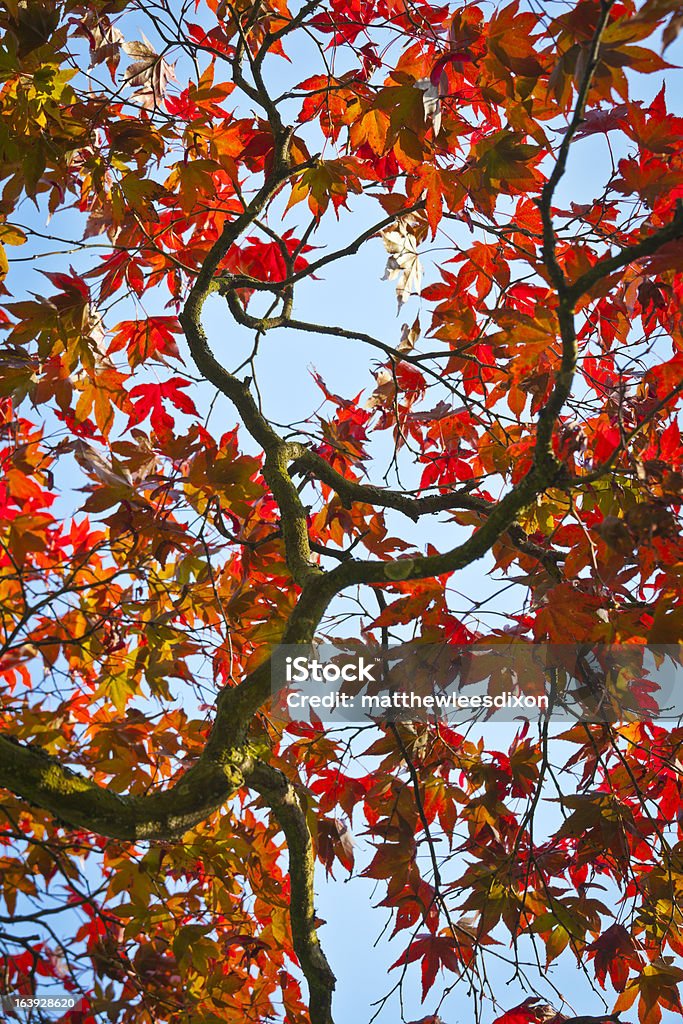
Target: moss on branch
82, 803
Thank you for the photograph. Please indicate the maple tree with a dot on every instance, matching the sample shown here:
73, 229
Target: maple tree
226, 156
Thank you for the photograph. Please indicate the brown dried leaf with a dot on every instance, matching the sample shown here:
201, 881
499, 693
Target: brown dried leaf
149, 75
103, 38
409, 336
672, 30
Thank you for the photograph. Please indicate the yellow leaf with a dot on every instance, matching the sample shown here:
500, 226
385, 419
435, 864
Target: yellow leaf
11, 235
373, 128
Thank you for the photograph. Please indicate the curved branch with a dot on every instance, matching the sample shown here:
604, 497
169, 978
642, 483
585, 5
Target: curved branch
501, 517
276, 450
44, 782
232, 282
283, 799
411, 506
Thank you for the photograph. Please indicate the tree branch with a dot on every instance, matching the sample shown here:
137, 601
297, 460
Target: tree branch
413, 507
500, 518
44, 782
294, 528
544, 455
645, 247
283, 799
80, 802
549, 258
